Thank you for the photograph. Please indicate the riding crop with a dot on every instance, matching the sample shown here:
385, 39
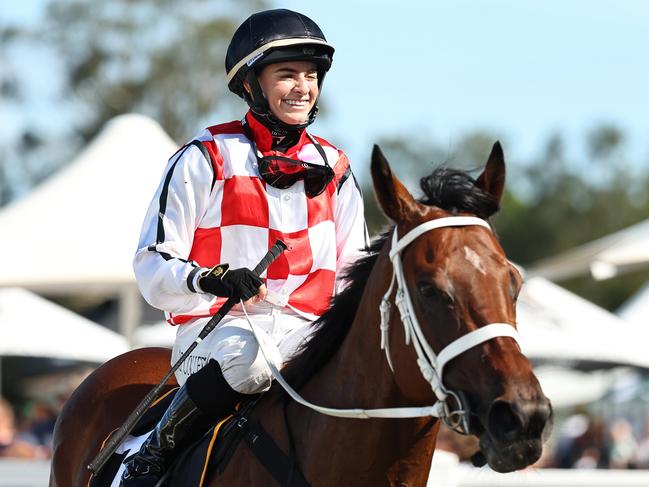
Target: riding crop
104, 454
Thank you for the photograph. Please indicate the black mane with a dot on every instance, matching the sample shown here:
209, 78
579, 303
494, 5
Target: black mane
449, 189
332, 327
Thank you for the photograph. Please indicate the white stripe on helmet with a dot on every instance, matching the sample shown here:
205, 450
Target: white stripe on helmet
254, 55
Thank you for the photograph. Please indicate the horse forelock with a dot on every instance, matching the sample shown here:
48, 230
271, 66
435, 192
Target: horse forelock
455, 191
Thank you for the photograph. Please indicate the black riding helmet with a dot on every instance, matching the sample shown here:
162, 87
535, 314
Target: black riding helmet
268, 37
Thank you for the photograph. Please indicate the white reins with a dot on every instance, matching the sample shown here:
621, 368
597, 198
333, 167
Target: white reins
430, 363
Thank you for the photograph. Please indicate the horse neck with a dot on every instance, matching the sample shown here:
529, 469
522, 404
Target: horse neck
358, 376
358, 373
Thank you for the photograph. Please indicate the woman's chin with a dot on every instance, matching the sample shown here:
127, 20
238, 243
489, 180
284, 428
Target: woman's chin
292, 118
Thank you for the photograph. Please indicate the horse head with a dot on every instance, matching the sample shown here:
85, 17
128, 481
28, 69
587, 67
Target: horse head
455, 286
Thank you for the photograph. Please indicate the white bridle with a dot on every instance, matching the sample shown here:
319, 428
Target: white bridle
430, 363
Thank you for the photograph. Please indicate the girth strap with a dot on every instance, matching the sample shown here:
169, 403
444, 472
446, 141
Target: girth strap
271, 456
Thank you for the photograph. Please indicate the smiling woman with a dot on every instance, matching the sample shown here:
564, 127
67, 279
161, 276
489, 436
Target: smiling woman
291, 90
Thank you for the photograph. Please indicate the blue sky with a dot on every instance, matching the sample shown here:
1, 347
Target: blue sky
438, 69
522, 68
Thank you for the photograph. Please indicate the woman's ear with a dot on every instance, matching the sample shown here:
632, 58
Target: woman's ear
246, 86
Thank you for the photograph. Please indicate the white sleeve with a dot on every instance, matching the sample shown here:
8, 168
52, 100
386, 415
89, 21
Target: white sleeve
351, 231
165, 276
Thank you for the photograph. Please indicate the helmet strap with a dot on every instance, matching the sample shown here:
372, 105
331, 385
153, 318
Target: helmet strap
255, 99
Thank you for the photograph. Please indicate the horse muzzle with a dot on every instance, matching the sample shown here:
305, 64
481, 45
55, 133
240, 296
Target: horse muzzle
512, 432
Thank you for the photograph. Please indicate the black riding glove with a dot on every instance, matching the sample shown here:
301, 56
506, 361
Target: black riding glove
236, 283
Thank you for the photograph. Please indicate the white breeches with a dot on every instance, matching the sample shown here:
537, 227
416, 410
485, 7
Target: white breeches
233, 345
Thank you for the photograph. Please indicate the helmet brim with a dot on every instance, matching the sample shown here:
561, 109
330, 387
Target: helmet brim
314, 53
319, 53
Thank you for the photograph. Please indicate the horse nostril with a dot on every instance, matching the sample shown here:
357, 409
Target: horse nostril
504, 421
509, 421
539, 418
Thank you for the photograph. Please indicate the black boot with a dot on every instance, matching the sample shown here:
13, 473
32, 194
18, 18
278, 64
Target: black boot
186, 418
179, 423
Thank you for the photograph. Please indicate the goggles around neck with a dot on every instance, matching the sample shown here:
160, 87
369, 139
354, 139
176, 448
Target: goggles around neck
283, 172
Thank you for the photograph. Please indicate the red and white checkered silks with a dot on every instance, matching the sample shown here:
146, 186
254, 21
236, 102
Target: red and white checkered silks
204, 214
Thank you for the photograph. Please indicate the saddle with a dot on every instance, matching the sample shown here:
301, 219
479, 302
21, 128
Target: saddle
209, 455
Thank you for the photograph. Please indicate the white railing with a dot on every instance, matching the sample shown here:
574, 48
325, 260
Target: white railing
446, 472
15, 472
555, 478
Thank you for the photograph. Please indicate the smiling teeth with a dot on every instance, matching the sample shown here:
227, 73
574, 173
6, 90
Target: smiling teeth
296, 103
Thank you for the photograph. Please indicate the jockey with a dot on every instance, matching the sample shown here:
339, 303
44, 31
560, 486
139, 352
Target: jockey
224, 199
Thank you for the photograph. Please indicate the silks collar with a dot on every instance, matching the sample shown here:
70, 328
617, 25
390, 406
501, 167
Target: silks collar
276, 139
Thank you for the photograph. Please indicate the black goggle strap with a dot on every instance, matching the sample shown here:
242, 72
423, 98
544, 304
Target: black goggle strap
248, 132
251, 138
320, 150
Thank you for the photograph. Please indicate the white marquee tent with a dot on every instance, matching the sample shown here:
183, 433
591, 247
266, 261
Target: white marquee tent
567, 387
619, 252
160, 334
77, 232
636, 309
558, 326
31, 326
567, 336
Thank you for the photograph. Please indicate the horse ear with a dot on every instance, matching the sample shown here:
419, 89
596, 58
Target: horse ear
492, 179
393, 197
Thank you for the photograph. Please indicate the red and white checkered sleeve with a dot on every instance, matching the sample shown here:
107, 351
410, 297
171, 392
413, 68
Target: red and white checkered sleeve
165, 275
351, 230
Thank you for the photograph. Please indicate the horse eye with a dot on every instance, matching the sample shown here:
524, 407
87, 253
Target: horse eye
427, 289
515, 286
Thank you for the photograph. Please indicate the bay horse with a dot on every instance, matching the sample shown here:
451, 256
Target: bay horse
452, 285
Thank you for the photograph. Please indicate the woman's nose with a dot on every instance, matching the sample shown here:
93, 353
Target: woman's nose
301, 85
